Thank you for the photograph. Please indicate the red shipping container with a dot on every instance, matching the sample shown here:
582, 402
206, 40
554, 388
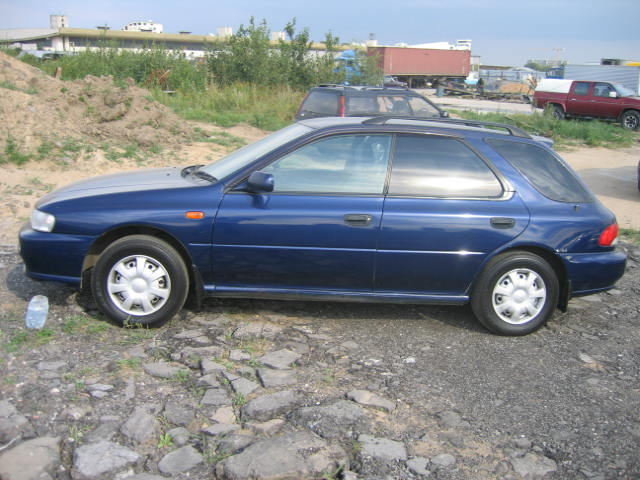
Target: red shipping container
422, 61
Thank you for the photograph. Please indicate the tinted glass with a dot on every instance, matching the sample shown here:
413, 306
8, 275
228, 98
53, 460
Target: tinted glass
320, 103
340, 164
602, 90
582, 88
440, 167
422, 108
543, 170
361, 105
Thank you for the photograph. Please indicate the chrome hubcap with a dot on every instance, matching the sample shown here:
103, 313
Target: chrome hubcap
139, 285
519, 296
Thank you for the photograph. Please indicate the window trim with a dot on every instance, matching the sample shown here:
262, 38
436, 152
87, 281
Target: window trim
507, 189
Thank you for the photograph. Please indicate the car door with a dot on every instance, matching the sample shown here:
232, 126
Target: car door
446, 209
317, 230
604, 105
580, 101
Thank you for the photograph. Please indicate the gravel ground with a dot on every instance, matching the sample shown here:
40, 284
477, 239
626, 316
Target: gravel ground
238, 388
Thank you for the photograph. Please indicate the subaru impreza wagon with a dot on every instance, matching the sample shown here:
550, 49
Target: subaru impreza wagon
380, 209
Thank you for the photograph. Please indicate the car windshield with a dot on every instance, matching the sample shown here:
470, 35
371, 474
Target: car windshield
624, 91
247, 154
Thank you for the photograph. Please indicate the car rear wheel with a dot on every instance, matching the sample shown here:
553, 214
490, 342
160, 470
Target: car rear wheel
515, 294
557, 112
140, 280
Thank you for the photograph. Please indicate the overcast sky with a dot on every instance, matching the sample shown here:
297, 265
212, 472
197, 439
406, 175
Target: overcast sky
504, 32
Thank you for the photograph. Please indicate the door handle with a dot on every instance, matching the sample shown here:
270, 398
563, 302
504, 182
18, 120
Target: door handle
503, 223
357, 219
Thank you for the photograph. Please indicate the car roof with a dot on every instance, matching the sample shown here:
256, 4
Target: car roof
364, 89
452, 124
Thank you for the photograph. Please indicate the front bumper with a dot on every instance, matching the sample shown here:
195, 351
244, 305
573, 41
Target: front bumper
53, 256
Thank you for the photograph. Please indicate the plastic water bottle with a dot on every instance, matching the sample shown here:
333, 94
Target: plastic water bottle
37, 311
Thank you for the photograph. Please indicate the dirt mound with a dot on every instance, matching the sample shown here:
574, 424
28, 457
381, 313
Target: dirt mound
36, 109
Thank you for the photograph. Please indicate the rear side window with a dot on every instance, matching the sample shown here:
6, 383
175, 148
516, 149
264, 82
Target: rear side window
582, 88
362, 105
320, 103
440, 167
543, 170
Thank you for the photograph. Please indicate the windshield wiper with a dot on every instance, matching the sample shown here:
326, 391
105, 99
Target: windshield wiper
204, 175
189, 170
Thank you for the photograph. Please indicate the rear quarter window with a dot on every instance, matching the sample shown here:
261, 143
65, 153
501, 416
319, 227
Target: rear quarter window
320, 103
545, 172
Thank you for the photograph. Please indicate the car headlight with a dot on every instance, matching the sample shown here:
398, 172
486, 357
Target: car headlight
42, 221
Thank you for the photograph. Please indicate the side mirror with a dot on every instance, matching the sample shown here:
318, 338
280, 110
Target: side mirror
613, 94
445, 114
260, 182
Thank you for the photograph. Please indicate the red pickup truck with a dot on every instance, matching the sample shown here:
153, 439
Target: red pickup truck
577, 98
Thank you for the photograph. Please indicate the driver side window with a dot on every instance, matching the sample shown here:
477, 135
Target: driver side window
346, 164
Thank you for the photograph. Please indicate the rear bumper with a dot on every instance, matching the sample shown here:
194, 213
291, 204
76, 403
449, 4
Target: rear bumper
593, 272
54, 256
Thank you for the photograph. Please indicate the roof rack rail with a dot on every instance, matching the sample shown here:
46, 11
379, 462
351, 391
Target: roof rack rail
513, 131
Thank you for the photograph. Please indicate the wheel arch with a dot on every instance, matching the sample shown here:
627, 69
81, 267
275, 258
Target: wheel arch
107, 238
550, 257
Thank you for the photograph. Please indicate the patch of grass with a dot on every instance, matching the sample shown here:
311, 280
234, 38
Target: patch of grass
239, 400
220, 138
268, 108
566, 133
131, 363
165, 441
13, 154
630, 235
12, 86
182, 376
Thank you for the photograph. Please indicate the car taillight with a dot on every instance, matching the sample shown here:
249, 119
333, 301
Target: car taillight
341, 107
608, 236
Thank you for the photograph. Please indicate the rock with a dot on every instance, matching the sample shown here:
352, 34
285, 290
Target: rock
522, 443
178, 414
105, 431
141, 426
102, 458
533, 466
210, 380
250, 330
452, 420
31, 460
180, 436
294, 455
382, 449
338, 420
277, 378
51, 366
418, 465
193, 356
220, 428
243, 386
280, 360
216, 397
180, 461
145, 476
189, 334
267, 428
210, 367
444, 460
235, 443
163, 369
364, 397
239, 356
99, 390
130, 389
12, 424
224, 415
268, 406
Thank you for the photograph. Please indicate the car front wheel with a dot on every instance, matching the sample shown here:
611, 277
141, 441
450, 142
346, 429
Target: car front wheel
140, 280
515, 294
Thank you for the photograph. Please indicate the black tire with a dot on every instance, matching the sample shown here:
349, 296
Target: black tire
515, 294
557, 112
151, 281
630, 120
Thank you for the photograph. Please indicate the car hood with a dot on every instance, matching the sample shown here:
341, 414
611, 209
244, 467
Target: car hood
139, 180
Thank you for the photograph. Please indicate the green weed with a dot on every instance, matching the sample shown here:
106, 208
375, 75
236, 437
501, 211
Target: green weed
630, 235
12, 153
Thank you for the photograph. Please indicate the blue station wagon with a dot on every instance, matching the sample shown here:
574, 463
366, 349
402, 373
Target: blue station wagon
359, 209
